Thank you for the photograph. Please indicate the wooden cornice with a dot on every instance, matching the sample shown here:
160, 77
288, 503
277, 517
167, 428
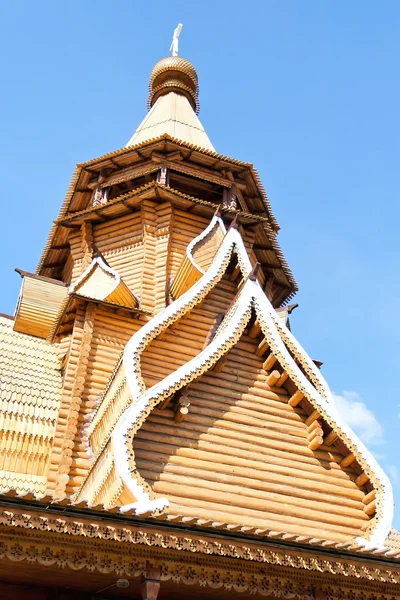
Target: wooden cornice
174, 151
120, 538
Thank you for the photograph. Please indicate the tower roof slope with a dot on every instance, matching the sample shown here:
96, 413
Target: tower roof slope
173, 105
172, 114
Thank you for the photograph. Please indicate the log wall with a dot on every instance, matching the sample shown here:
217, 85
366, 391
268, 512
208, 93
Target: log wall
186, 338
241, 456
186, 228
121, 244
111, 332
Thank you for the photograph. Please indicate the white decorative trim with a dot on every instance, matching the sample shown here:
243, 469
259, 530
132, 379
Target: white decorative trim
276, 334
98, 261
215, 222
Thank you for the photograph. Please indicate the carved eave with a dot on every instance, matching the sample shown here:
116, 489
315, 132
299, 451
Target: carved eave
225, 562
268, 253
211, 172
125, 412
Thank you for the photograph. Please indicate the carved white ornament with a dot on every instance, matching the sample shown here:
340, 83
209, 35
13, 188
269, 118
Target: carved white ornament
279, 339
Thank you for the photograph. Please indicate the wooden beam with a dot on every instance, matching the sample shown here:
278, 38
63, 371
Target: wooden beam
313, 417
255, 330
273, 378
316, 442
235, 273
348, 460
331, 438
370, 508
54, 265
269, 362
369, 497
282, 379
60, 247
362, 479
151, 583
262, 347
219, 365
296, 398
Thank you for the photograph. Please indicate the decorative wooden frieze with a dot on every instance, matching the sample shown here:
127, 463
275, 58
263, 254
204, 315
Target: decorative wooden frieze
180, 558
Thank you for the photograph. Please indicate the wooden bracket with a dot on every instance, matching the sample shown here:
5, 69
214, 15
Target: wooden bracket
163, 175
219, 365
362, 479
315, 431
269, 362
181, 409
273, 378
151, 583
331, 438
262, 347
296, 398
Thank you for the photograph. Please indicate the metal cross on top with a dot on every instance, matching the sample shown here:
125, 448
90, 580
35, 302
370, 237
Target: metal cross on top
174, 48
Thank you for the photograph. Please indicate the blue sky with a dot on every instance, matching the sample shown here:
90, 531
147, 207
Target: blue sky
307, 91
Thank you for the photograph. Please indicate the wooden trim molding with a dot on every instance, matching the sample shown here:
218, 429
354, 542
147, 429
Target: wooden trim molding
217, 572
122, 538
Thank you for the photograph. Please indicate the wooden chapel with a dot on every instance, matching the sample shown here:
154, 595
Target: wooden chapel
164, 435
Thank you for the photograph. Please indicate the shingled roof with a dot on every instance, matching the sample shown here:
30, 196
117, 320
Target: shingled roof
30, 393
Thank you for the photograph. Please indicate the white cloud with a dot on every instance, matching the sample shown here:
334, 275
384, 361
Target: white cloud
360, 418
394, 473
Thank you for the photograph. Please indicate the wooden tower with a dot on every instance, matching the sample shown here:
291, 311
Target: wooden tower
164, 435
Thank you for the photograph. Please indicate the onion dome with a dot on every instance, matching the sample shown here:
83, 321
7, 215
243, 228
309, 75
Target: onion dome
174, 74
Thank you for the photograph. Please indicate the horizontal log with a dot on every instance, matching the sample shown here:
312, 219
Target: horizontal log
243, 415
313, 417
316, 442
273, 378
370, 508
362, 479
279, 492
269, 362
276, 452
348, 460
256, 499
331, 438
369, 497
257, 469
296, 398
276, 522
218, 514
